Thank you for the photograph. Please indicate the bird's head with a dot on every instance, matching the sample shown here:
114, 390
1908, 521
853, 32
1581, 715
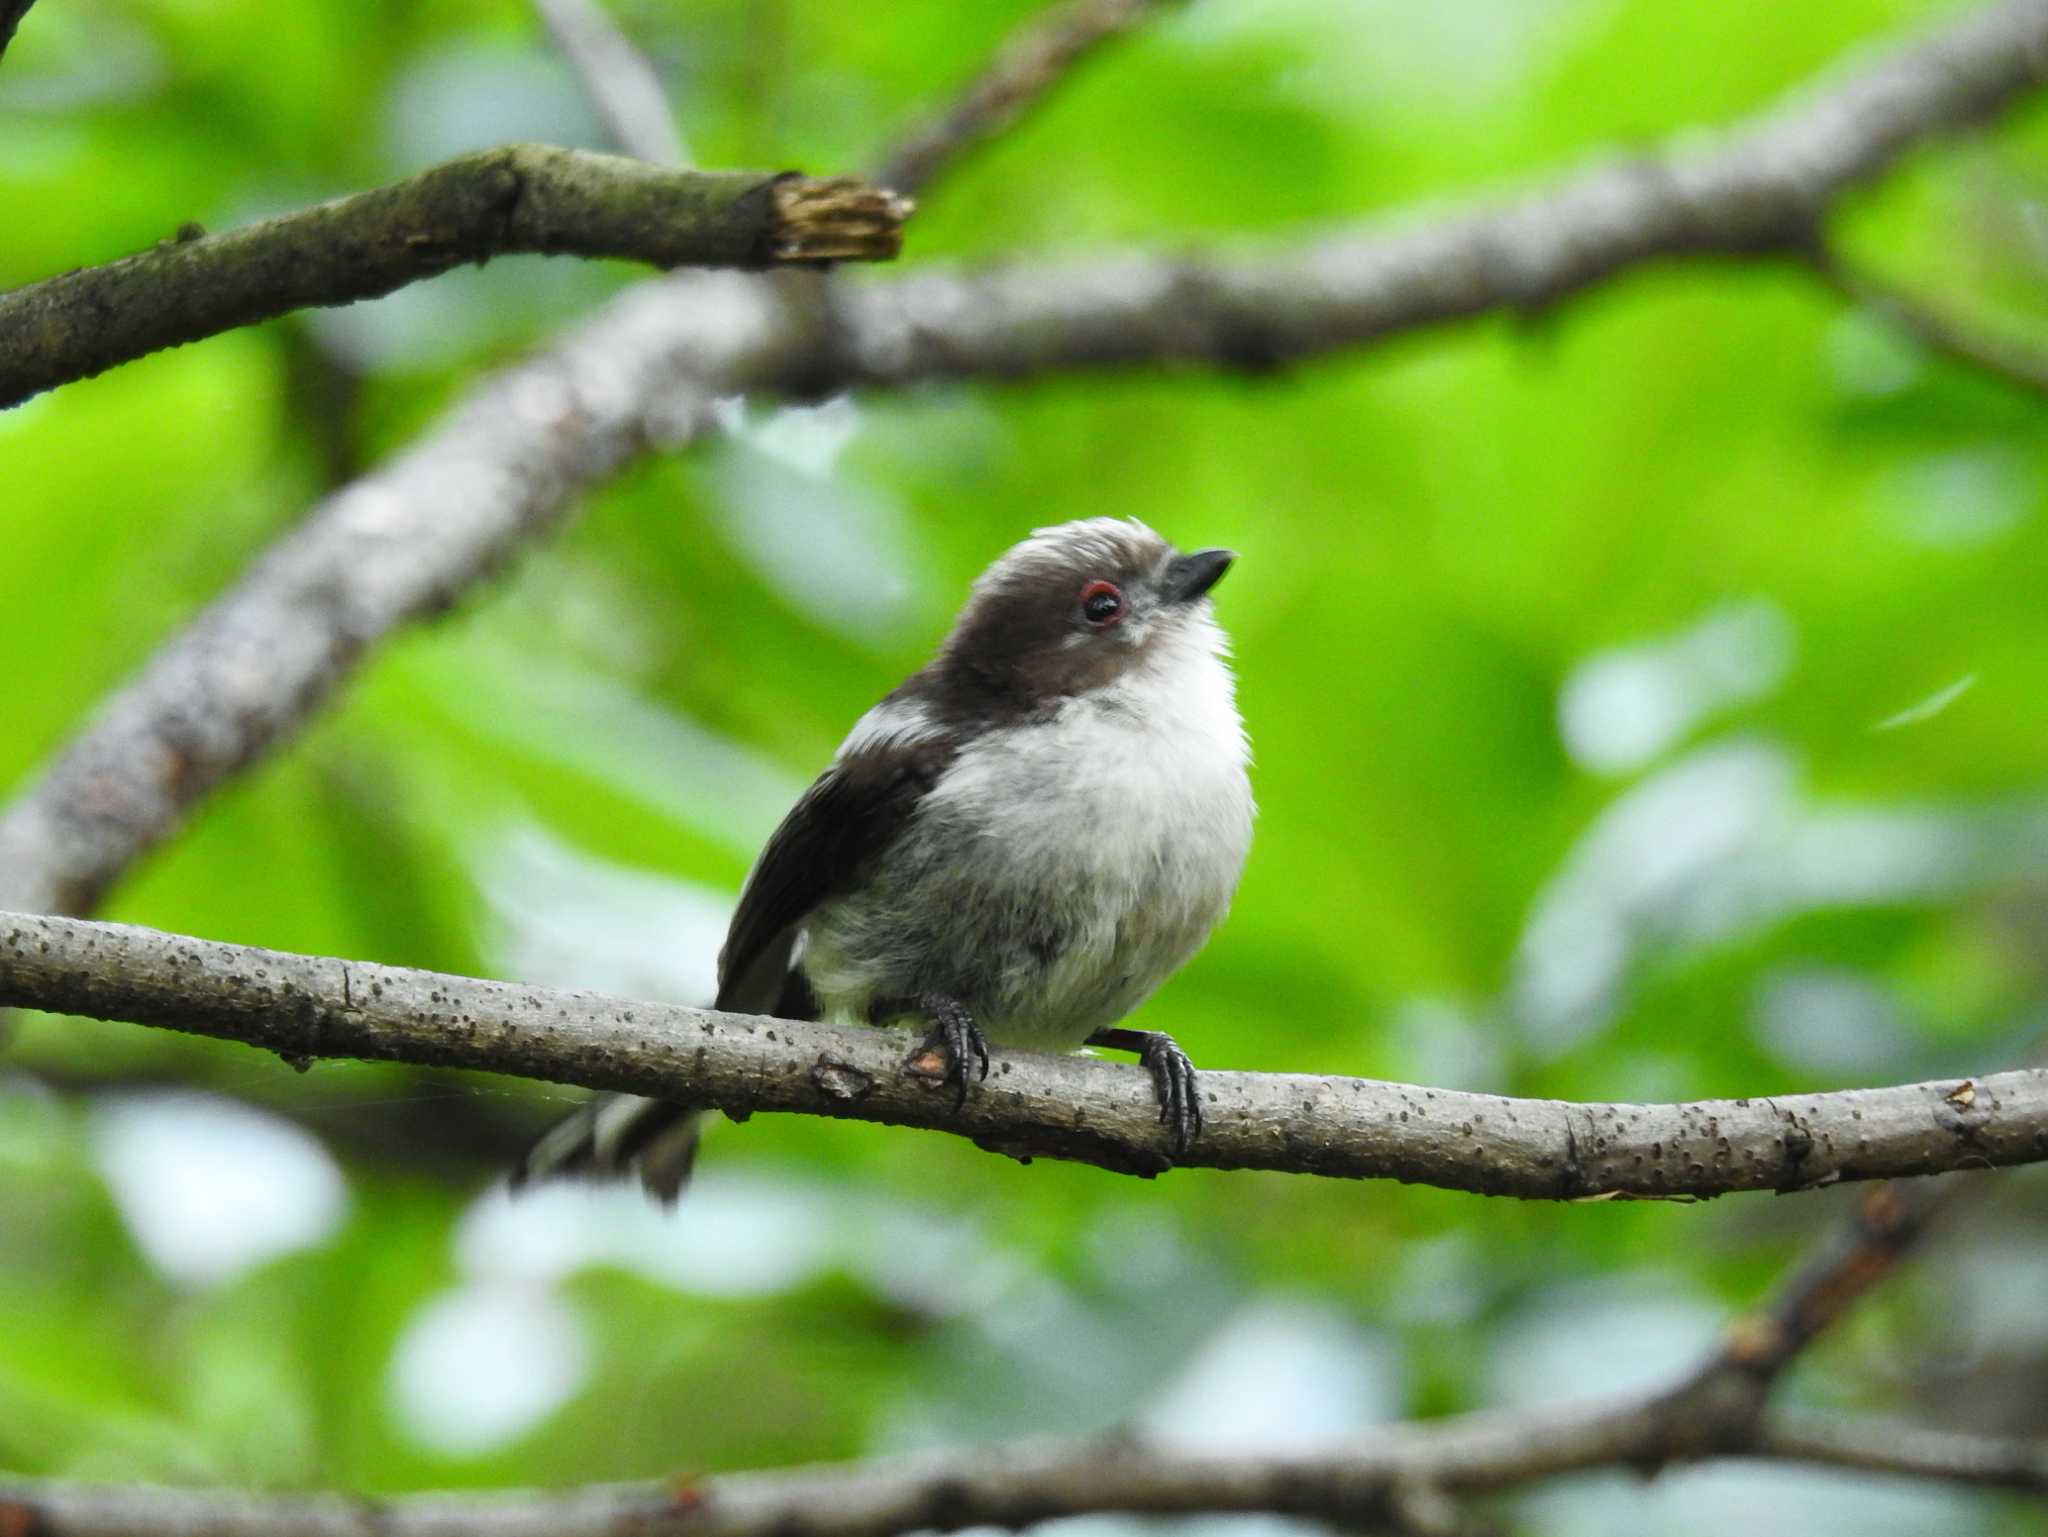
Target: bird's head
1079, 606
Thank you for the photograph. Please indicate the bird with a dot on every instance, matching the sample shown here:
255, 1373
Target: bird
1017, 846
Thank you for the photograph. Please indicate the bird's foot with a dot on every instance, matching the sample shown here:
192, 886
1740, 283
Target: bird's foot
953, 1043
1173, 1079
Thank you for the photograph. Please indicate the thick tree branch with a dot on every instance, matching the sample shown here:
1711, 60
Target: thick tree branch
621, 84
1032, 1105
1759, 189
1031, 62
519, 198
407, 540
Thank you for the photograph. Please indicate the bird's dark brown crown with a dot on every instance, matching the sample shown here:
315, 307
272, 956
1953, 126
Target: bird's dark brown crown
1068, 610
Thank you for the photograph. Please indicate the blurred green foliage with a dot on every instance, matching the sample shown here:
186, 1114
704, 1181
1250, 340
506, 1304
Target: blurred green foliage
1581, 655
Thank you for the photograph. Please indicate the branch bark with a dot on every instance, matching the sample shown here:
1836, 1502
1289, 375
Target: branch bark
406, 541
520, 198
1032, 1105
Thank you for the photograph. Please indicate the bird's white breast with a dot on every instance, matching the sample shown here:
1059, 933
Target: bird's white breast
1139, 787
1117, 826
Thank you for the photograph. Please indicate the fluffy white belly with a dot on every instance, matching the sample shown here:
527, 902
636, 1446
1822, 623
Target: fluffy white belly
1059, 871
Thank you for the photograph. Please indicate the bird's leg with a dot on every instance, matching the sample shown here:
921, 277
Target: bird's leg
953, 1035
1173, 1079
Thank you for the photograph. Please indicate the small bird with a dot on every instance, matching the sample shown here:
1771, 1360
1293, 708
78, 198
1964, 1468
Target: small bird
1018, 845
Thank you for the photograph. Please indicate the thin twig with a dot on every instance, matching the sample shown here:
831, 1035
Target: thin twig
1721, 1405
2004, 356
1888, 1220
1907, 1451
616, 76
1032, 1105
518, 198
1030, 63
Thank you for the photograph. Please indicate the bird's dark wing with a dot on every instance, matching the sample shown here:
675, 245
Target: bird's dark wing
821, 848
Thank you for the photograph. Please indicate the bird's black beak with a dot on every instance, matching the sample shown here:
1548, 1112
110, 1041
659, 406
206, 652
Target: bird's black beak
1189, 576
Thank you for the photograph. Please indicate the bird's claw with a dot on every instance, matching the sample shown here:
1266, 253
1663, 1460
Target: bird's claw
1173, 1080
958, 1039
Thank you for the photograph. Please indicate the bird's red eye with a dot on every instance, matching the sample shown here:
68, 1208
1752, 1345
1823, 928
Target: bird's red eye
1102, 605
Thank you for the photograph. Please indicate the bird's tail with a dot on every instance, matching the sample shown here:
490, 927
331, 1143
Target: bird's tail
617, 1135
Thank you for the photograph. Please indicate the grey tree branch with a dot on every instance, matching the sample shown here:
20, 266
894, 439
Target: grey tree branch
407, 540
519, 198
1363, 1487
1031, 62
1032, 1105
621, 84
1759, 189
399, 545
